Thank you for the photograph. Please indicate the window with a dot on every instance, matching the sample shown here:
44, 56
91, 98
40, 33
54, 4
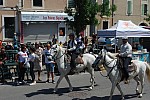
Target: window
9, 24
105, 24
1, 2
37, 3
144, 9
129, 7
71, 4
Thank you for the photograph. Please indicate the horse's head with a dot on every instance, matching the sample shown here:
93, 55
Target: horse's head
102, 55
56, 51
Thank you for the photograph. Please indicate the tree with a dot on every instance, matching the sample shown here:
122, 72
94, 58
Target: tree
84, 14
147, 18
105, 10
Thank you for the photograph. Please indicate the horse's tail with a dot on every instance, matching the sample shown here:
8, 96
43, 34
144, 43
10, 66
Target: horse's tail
147, 70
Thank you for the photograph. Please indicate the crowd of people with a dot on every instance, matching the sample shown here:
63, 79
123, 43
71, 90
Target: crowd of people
34, 56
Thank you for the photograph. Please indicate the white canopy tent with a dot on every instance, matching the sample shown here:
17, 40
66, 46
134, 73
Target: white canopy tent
124, 28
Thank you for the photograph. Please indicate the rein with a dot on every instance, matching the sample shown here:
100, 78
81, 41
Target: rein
106, 64
60, 56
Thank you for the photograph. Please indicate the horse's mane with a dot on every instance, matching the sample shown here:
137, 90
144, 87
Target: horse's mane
112, 55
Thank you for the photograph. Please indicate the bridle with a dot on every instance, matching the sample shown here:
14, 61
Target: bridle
106, 64
56, 56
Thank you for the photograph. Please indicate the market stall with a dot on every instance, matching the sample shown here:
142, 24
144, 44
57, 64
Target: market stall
129, 29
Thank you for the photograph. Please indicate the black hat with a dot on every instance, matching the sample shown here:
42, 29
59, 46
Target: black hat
71, 34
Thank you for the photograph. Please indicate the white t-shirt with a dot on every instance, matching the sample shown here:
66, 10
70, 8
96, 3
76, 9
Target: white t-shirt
31, 57
22, 56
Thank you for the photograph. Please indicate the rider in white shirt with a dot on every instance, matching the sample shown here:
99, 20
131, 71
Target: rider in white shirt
126, 56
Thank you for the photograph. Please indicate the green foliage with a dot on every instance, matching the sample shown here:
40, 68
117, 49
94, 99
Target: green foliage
84, 14
148, 18
105, 10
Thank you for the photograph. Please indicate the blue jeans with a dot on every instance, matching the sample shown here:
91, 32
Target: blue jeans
50, 67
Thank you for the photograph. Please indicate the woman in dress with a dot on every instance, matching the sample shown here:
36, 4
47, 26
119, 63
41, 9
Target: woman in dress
38, 65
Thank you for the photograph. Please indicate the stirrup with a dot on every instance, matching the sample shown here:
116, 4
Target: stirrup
126, 81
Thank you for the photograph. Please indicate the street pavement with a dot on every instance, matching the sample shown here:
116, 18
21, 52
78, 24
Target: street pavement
81, 82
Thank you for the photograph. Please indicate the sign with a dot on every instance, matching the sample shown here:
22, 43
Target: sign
43, 16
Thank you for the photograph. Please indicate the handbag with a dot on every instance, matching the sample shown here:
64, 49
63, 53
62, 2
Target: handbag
27, 65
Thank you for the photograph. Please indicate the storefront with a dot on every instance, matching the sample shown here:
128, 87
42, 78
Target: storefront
41, 26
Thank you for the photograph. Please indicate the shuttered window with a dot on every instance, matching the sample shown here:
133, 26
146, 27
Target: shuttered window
144, 9
71, 4
129, 7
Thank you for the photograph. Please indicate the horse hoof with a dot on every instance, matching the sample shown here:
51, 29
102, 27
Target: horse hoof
54, 91
71, 89
122, 98
140, 96
137, 92
90, 88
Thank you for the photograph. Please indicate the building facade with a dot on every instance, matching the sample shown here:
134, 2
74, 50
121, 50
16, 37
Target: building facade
33, 20
134, 10
39, 20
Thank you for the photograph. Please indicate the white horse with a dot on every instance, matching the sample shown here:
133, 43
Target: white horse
115, 74
58, 53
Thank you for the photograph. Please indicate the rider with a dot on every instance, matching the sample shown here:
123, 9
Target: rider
126, 56
80, 46
71, 50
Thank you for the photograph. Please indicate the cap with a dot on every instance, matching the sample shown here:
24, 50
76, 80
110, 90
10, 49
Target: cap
71, 34
124, 38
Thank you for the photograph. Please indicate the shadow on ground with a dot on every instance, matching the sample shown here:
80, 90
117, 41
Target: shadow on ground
60, 91
115, 97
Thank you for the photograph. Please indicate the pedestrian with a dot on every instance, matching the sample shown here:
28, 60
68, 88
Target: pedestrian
54, 40
71, 50
31, 60
85, 43
22, 58
38, 63
50, 64
2, 60
126, 57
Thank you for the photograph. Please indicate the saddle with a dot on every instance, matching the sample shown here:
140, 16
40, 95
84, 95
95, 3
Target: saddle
132, 67
67, 58
125, 74
79, 60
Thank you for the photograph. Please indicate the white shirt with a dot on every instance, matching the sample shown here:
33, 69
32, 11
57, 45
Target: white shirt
22, 56
72, 45
31, 57
126, 50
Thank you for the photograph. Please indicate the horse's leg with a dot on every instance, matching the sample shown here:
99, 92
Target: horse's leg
92, 80
112, 90
70, 86
57, 83
142, 84
114, 80
138, 83
119, 88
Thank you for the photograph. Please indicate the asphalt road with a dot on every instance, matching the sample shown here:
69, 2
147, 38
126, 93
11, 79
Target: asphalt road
43, 91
